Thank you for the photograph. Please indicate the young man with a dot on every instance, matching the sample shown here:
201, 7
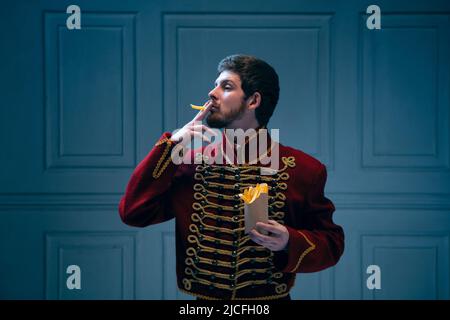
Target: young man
216, 258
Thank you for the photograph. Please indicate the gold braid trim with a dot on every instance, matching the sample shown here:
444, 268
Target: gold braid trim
239, 262
200, 188
159, 169
206, 196
289, 162
192, 252
214, 298
210, 238
198, 206
200, 197
194, 239
278, 215
222, 285
224, 167
190, 262
160, 142
312, 246
196, 218
280, 287
237, 186
243, 177
238, 274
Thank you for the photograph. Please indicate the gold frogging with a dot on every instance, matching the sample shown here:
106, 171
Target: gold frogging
220, 255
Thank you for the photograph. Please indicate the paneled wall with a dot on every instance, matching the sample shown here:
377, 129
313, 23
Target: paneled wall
80, 109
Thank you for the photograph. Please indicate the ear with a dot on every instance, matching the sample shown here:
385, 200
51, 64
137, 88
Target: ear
254, 101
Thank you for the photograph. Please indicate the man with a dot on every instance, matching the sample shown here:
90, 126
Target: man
216, 259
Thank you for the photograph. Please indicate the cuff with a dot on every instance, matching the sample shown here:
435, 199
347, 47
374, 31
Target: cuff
299, 245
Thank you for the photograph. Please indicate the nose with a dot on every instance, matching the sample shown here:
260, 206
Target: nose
213, 94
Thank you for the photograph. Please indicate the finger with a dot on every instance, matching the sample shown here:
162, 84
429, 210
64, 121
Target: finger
200, 136
188, 137
255, 238
262, 237
269, 245
271, 228
198, 132
276, 223
212, 132
201, 127
202, 114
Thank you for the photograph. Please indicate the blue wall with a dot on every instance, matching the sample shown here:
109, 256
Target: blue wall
80, 108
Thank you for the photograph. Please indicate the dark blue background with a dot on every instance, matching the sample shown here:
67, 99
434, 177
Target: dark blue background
80, 108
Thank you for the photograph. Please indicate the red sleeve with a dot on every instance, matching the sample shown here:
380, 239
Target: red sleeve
147, 200
320, 243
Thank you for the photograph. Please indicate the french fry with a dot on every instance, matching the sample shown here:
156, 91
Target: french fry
197, 107
253, 193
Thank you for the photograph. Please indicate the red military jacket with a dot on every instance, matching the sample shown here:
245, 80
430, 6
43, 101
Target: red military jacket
215, 258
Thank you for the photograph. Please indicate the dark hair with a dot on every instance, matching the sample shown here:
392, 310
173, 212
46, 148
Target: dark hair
256, 76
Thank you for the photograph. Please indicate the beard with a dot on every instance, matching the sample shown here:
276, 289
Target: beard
219, 120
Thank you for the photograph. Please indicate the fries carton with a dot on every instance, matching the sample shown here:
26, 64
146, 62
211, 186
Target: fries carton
255, 206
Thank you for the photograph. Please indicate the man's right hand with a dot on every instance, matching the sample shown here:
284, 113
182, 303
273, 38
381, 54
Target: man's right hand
194, 128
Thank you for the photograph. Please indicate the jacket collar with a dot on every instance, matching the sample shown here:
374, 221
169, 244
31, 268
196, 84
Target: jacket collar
245, 147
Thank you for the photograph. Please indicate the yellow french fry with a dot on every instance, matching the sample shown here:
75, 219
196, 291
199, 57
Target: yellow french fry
245, 196
264, 188
197, 107
255, 196
253, 193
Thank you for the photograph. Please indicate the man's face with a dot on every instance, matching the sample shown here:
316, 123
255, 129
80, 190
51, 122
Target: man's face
228, 101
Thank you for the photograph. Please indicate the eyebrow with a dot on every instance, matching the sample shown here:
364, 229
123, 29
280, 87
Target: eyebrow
225, 80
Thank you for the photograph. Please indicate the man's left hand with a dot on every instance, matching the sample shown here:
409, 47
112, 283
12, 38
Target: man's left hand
277, 238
